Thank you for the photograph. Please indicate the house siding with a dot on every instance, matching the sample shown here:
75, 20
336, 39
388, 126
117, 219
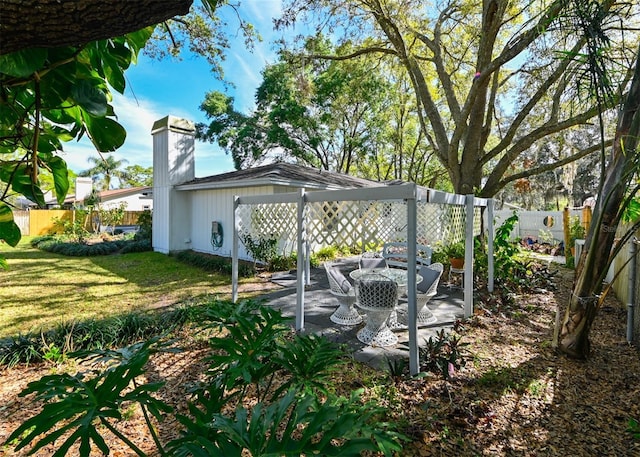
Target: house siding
217, 205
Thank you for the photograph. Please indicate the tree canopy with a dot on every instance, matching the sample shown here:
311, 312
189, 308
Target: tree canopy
347, 116
492, 79
104, 169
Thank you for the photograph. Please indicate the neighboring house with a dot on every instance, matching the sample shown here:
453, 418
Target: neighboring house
135, 198
192, 213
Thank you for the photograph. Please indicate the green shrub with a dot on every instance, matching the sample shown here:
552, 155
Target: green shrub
92, 334
74, 229
209, 262
262, 249
20, 349
282, 263
326, 253
59, 245
444, 354
145, 224
136, 245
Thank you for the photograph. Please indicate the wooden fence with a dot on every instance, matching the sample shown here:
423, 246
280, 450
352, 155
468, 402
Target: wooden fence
47, 221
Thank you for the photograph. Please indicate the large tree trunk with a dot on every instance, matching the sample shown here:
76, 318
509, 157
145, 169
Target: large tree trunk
28, 24
593, 263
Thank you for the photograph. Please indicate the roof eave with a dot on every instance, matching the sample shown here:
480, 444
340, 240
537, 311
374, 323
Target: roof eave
254, 183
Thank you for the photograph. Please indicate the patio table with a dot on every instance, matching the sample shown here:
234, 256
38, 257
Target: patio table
397, 275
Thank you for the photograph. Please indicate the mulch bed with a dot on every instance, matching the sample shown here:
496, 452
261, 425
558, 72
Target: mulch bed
514, 397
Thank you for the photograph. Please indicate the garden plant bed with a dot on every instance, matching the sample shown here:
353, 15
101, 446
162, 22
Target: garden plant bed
514, 397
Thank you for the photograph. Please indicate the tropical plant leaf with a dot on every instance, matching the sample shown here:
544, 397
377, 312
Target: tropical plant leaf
23, 63
60, 174
137, 40
80, 403
292, 426
22, 183
310, 360
632, 211
10, 233
106, 134
9, 230
90, 97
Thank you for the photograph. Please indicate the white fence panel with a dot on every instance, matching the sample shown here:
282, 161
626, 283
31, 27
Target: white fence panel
543, 226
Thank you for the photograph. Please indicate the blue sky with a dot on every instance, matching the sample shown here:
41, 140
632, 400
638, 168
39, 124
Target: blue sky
159, 88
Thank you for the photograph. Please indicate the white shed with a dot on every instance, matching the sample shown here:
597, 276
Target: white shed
197, 213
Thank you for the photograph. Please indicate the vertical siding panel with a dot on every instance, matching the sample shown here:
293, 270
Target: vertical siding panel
217, 205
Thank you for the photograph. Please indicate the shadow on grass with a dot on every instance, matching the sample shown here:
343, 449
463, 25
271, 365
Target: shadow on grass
42, 289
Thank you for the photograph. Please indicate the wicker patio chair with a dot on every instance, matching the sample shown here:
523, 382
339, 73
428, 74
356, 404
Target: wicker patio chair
377, 295
341, 289
426, 290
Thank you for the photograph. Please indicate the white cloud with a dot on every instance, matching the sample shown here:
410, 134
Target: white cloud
137, 117
157, 89
261, 13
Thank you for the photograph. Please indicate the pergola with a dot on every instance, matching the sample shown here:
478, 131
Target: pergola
302, 221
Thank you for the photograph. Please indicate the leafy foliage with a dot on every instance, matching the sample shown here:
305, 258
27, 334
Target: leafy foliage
74, 228
211, 262
444, 354
92, 334
136, 176
262, 249
576, 232
112, 216
54, 95
292, 418
80, 404
145, 226
104, 169
504, 249
348, 116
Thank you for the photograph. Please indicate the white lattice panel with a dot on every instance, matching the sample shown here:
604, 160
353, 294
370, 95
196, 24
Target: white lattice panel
361, 225
270, 221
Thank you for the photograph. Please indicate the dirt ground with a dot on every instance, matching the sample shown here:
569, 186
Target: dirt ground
514, 396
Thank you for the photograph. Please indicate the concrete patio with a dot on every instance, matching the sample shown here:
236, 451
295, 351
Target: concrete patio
447, 306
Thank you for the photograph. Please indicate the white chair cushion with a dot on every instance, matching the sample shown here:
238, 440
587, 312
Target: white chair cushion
339, 278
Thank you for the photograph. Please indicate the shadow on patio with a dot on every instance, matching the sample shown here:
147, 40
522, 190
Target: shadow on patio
447, 306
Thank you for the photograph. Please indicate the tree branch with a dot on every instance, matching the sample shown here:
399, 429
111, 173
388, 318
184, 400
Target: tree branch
54, 23
547, 167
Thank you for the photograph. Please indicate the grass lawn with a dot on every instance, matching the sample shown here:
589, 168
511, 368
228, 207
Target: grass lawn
42, 289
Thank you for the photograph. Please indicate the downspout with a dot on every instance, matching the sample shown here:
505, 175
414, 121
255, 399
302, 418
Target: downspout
631, 300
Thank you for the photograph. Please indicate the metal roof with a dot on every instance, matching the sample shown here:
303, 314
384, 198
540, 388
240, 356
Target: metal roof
280, 173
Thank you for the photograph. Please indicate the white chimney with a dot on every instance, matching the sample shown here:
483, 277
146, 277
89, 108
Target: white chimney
173, 163
84, 186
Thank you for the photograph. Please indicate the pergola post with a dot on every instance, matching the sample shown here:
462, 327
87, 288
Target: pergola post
490, 238
468, 256
234, 251
301, 264
414, 362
